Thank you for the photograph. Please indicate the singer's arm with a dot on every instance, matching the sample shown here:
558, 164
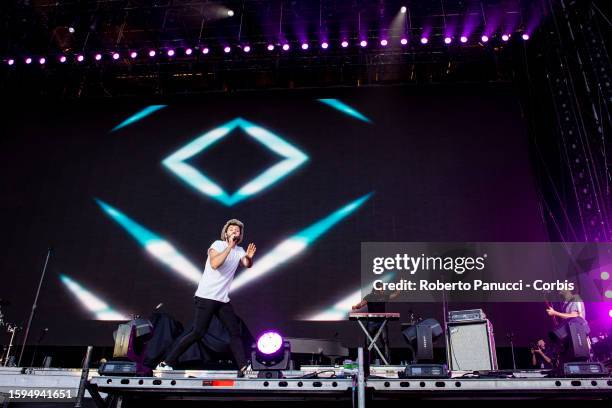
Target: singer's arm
217, 258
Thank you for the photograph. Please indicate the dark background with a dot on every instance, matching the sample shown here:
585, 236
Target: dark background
445, 163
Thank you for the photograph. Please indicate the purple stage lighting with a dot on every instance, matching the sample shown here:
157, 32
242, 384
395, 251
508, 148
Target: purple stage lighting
205, 50
484, 38
11, 62
424, 40
227, 49
344, 44
133, 54
610, 313
188, 51
98, 57
270, 47
116, 56
324, 45
28, 60
286, 47
384, 43
170, 53
404, 41
246, 48
505, 37
363, 43
463, 39
608, 294
448, 40
152, 53
80, 58
62, 59
42, 60
604, 275
305, 46
269, 342
525, 36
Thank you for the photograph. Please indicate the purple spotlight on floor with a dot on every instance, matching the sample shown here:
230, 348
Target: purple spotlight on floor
270, 47
80, 58
363, 43
28, 60
384, 42
42, 60
98, 57
484, 38
116, 56
525, 36
246, 48
448, 40
188, 51
170, 53
152, 53
324, 45
424, 40
404, 41
11, 62
305, 46
505, 37
286, 47
463, 39
269, 342
205, 50
133, 54
344, 44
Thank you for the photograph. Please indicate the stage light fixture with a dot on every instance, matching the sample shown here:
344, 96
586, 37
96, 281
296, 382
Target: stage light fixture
188, 51
28, 60
463, 39
448, 40
170, 53
505, 37
42, 60
324, 45
116, 56
384, 42
363, 43
404, 41
403, 9
227, 49
344, 44
80, 58
98, 57
609, 294
11, 61
246, 49
270, 355
484, 38
304, 46
286, 47
133, 54
270, 47
205, 50
71, 30
152, 53
62, 59
525, 36
604, 275
424, 40
230, 13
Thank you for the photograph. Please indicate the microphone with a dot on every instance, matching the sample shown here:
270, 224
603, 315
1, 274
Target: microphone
236, 238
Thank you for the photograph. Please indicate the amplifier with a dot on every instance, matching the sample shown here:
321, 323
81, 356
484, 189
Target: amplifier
457, 316
582, 369
470, 346
425, 371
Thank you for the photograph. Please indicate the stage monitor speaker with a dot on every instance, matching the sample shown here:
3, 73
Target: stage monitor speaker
471, 346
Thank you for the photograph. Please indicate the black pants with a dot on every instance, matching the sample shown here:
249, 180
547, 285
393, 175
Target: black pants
204, 311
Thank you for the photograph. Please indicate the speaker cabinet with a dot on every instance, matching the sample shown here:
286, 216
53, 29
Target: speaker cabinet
470, 346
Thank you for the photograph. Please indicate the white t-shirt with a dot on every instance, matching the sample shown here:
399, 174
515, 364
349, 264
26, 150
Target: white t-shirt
215, 283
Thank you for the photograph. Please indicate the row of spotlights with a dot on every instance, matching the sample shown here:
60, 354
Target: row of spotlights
271, 47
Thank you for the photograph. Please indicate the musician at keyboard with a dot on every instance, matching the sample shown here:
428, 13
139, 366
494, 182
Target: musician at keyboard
376, 302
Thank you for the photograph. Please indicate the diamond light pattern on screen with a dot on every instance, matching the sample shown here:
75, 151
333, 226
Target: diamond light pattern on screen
155, 245
177, 161
295, 244
139, 116
100, 309
344, 108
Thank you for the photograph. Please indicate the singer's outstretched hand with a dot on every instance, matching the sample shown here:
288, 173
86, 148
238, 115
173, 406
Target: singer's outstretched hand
251, 250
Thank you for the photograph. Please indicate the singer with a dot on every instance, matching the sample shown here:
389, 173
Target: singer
211, 297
